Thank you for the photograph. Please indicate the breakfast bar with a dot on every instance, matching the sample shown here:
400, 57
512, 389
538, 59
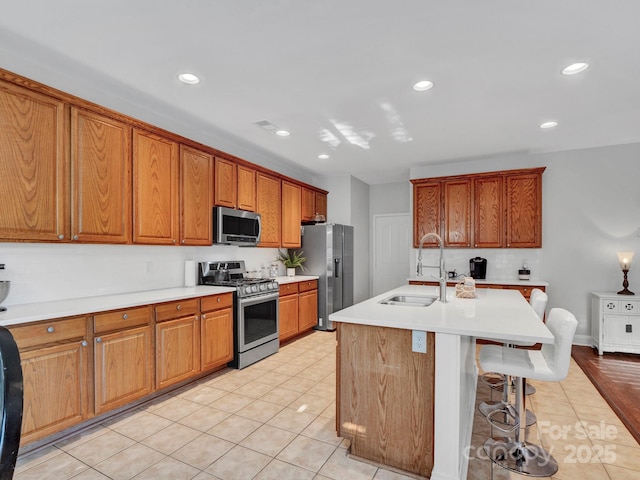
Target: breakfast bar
410, 410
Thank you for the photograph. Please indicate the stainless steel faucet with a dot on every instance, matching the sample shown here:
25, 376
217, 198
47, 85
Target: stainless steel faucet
443, 272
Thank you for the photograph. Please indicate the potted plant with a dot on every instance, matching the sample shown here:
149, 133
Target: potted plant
291, 261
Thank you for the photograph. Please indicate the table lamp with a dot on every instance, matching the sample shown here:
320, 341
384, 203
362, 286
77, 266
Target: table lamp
625, 264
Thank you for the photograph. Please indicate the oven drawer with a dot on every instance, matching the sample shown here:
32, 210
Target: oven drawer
179, 309
216, 302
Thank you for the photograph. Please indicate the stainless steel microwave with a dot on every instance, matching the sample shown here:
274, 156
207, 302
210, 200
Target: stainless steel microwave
236, 227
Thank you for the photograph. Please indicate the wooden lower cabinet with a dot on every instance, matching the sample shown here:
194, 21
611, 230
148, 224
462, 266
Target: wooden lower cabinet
298, 308
55, 360
385, 396
123, 356
308, 305
288, 315
216, 330
177, 341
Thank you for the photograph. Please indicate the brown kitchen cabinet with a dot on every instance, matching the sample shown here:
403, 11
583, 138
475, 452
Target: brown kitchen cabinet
288, 311
246, 188
34, 167
308, 207
321, 204
123, 357
57, 374
427, 211
226, 186
268, 206
525, 290
524, 210
155, 189
308, 305
100, 178
291, 213
177, 341
216, 330
457, 213
488, 224
196, 185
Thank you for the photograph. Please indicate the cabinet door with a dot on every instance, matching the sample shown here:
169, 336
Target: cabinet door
457, 213
100, 178
488, 215
426, 211
288, 316
217, 338
34, 166
308, 205
291, 213
155, 189
56, 389
524, 210
308, 316
177, 350
123, 367
226, 183
268, 206
246, 188
321, 204
196, 184
615, 330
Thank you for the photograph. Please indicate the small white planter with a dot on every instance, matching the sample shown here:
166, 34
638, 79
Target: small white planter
291, 272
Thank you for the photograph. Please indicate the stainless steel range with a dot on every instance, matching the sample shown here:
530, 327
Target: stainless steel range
255, 311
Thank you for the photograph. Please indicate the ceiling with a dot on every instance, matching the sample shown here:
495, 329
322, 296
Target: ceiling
338, 74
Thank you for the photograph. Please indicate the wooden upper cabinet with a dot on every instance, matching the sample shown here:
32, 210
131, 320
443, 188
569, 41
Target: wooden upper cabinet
100, 178
226, 189
34, 166
524, 210
457, 213
196, 185
308, 205
291, 213
426, 211
488, 224
246, 188
268, 206
321, 204
155, 189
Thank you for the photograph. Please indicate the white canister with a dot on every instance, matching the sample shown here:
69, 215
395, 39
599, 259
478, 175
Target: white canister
190, 273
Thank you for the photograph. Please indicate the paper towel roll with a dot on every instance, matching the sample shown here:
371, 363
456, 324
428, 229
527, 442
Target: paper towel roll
189, 273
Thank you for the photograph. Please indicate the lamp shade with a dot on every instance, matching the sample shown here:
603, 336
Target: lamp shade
625, 259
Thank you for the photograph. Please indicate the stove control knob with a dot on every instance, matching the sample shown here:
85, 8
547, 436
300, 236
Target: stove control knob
254, 288
263, 287
247, 290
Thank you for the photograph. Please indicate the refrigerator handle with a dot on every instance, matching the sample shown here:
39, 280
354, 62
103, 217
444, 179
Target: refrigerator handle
336, 269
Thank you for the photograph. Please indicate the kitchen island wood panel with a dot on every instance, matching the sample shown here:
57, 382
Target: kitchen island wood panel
386, 393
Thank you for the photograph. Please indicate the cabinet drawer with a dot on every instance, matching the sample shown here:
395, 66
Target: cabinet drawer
182, 308
49, 332
621, 306
216, 302
132, 317
308, 285
288, 289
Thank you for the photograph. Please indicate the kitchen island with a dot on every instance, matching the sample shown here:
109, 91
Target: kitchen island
414, 411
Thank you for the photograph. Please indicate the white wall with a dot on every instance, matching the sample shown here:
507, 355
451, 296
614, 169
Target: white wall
591, 211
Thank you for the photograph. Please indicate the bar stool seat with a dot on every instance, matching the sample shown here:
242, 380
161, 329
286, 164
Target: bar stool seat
551, 364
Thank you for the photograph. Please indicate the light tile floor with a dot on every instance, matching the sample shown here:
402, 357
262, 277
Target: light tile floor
276, 420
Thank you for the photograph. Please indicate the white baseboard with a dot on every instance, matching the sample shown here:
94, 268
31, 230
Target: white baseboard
584, 340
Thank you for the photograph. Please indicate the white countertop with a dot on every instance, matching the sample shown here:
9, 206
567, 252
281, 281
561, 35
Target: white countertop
486, 281
501, 315
297, 278
32, 312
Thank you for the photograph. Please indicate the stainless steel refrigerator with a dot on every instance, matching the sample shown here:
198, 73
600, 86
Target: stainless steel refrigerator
328, 248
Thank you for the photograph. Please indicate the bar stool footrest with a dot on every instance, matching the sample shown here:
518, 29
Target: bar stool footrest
523, 458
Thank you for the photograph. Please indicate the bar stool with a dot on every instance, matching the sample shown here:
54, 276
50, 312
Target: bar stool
538, 301
551, 364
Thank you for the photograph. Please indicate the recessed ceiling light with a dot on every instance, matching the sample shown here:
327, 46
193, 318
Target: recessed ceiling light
189, 78
282, 133
550, 124
575, 68
422, 85
323, 156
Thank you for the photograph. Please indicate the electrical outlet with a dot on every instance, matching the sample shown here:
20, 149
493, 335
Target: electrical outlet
418, 341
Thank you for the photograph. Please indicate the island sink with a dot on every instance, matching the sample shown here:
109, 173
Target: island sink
410, 300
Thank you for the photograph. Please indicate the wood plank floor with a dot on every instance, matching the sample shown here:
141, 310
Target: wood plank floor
617, 378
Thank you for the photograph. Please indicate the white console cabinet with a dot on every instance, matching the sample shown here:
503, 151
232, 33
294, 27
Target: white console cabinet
615, 322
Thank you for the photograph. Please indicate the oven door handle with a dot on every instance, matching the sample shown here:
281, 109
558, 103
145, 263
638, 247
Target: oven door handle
258, 299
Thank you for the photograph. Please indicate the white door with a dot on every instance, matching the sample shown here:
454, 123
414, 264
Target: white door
391, 245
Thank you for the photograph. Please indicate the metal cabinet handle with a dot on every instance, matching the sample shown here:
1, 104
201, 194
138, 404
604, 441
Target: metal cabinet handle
204, 316
178, 307
84, 343
61, 237
125, 316
51, 329
75, 237
99, 340
218, 300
